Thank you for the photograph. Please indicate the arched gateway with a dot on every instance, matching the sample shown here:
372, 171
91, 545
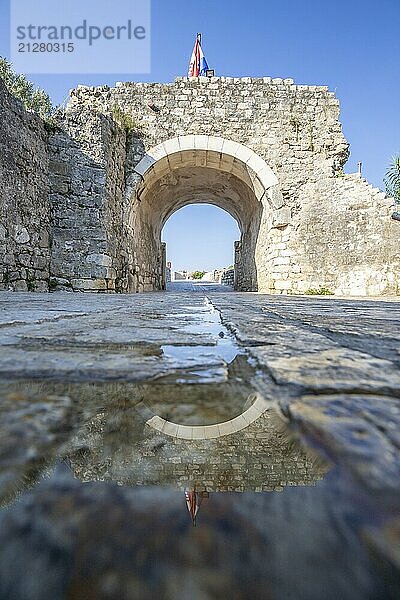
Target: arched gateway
269, 152
197, 169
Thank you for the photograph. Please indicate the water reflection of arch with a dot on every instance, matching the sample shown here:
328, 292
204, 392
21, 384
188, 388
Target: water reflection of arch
200, 432
111, 444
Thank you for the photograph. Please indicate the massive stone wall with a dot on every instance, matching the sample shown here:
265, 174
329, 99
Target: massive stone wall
325, 229
125, 158
24, 209
86, 176
264, 115
344, 240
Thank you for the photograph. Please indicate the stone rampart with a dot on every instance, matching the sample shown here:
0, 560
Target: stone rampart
315, 228
269, 152
24, 207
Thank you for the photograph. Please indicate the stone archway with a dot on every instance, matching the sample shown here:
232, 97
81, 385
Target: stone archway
112, 184
202, 169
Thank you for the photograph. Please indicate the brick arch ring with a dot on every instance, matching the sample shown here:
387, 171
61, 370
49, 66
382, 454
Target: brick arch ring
204, 432
208, 151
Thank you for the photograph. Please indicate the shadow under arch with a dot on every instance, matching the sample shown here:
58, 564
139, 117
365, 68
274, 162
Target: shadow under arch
202, 169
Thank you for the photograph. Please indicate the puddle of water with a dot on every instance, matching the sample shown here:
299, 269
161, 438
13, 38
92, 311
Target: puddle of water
206, 320
256, 493
222, 351
204, 404
215, 374
111, 436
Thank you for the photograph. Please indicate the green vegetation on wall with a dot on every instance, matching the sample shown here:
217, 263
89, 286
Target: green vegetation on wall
322, 291
34, 99
125, 120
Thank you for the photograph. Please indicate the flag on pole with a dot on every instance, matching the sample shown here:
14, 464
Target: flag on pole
198, 64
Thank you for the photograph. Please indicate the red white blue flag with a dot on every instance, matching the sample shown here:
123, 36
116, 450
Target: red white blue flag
198, 64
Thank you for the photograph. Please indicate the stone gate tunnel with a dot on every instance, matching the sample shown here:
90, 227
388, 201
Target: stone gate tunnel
267, 151
196, 169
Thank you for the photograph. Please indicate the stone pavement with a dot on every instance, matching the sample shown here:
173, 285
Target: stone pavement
330, 365
333, 366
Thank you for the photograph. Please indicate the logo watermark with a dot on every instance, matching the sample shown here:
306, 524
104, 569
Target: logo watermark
80, 36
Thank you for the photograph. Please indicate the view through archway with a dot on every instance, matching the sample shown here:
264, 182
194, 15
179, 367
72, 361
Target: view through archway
200, 244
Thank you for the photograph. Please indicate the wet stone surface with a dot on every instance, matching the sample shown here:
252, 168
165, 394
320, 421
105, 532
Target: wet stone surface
284, 410
33, 428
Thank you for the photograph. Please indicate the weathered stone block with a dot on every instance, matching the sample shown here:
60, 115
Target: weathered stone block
89, 285
283, 284
25, 260
20, 286
282, 217
58, 167
21, 235
99, 259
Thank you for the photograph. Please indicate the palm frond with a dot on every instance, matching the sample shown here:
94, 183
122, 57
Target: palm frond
392, 179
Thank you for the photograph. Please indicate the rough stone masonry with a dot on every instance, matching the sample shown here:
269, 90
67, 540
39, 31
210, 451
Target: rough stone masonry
24, 198
83, 208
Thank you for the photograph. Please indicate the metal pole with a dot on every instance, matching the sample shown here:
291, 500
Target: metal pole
199, 37
359, 164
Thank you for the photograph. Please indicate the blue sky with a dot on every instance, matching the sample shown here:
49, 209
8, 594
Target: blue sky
200, 236
353, 46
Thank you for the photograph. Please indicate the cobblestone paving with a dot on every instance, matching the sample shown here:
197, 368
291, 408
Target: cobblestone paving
329, 366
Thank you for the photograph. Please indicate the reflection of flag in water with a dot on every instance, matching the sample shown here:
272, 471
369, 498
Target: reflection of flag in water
198, 64
193, 501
